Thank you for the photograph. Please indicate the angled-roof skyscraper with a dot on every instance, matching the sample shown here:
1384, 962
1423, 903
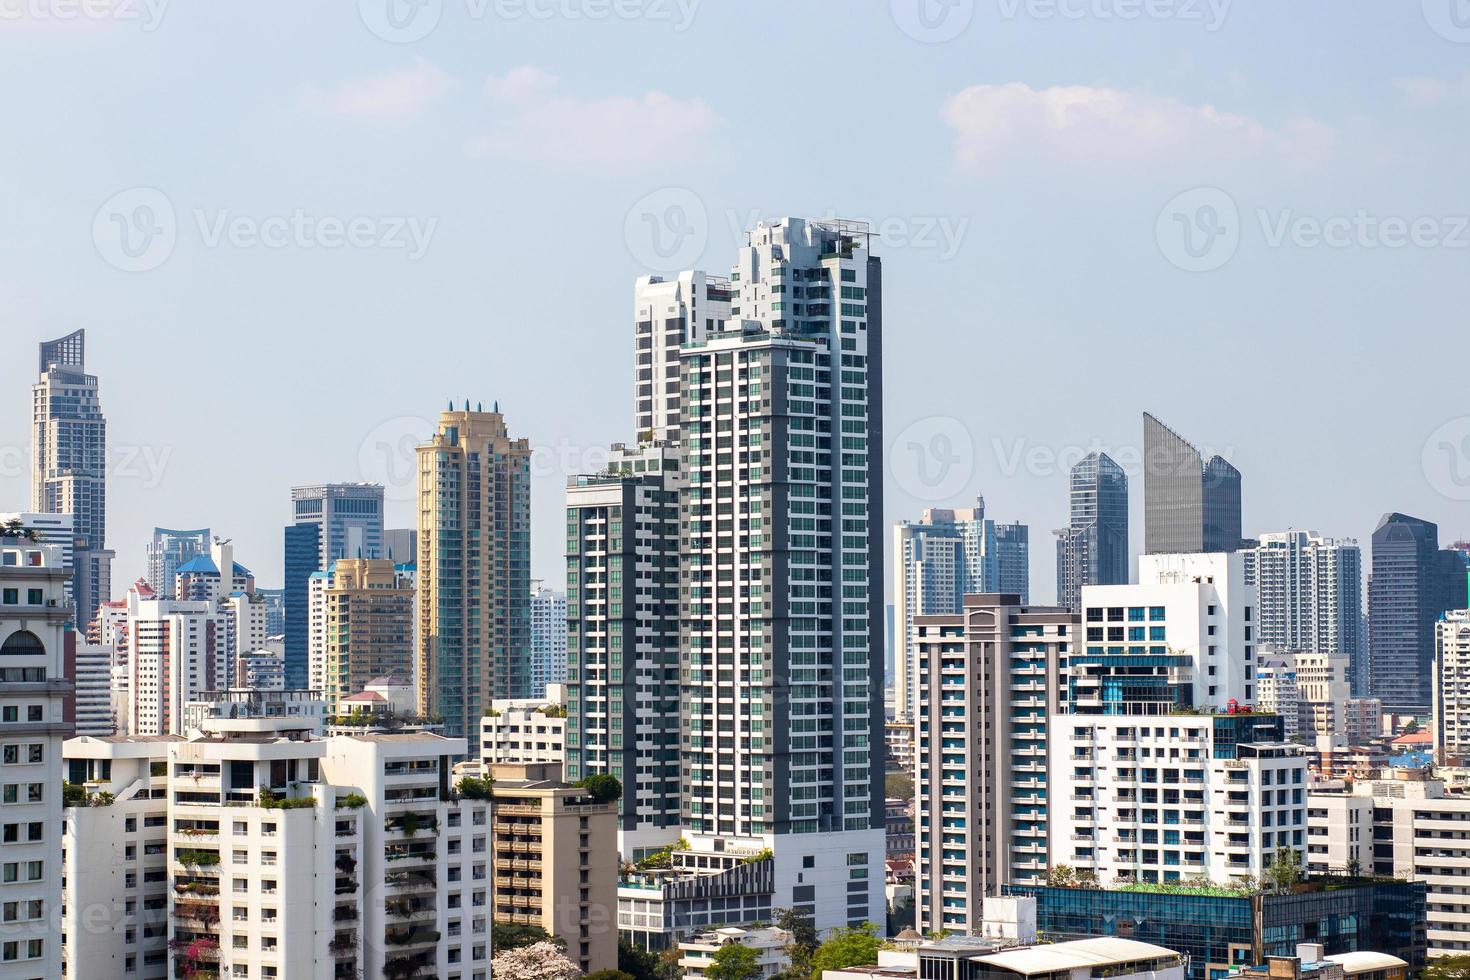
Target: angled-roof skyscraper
1188, 505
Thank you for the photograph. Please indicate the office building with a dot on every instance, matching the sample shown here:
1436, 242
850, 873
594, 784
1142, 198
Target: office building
367, 626
1093, 548
1189, 505
1413, 582
1157, 799
474, 569
1219, 931
1309, 592
781, 630
937, 561
1451, 708
401, 545
168, 550
991, 677
34, 689
623, 712
69, 465
329, 521
555, 861
548, 637
525, 731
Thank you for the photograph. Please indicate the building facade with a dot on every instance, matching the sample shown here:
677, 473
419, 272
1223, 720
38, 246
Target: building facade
1189, 505
34, 689
474, 569
69, 465
1309, 590
1451, 708
169, 549
991, 680
1093, 548
548, 637
1410, 587
368, 628
523, 732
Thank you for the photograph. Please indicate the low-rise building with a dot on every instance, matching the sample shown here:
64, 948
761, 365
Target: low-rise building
697, 952
525, 730
1311, 963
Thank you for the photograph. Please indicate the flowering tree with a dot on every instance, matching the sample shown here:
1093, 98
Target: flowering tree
541, 961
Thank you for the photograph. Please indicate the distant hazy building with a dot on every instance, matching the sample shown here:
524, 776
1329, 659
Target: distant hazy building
548, 637
946, 555
1413, 582
474, 570
92, 678
1277, 692
329, 521
368, 626
1189, 505
69, 465
168, 550
401, 544
1309, 592
1093, 548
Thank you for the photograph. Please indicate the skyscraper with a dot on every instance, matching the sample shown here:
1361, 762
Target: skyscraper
369, 627
69, 465
947, 555
548, 638
1408, 590
1188, 506
474, 569
168, 550
1093, 548
329, 521
1309, 592
669, 313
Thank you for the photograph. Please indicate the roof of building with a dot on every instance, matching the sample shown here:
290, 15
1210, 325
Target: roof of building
1102, 951
398, 738
373, 696
1415, 738
1365, 961
390, 680
204, 565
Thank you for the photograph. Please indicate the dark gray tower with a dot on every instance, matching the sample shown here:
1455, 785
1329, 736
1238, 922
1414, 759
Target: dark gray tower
1093, 548
1409, 588
1188, 505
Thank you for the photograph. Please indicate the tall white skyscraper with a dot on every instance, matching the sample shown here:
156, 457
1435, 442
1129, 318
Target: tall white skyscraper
669, 313
937, 561
33, 691
69, 464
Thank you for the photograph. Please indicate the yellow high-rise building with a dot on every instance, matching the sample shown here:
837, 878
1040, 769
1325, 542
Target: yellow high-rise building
369, 628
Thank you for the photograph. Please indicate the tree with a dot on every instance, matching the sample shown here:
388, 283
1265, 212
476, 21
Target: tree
504, 935
639, 964
846, 947
1412, 728
1285, 871
734, 961
898, 786
901, 916
603, 786
1448, 968
803, 940
668, 967
539, 961
609, 975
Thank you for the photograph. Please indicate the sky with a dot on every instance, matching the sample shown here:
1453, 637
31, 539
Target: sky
293, 231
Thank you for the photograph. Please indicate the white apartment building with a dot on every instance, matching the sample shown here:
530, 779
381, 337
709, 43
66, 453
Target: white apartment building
1310, 592
282, 855
1183, 636
316, 629
1451, 677
92, 677
1339, 833
116, 858
520, 730
33, 690
697, 953
1277, 692
1324, 688
670, 313
172, 649
1169, 797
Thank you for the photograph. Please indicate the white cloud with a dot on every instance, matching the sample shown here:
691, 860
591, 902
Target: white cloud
536, 122
1096, 126
1424, 90
395, 96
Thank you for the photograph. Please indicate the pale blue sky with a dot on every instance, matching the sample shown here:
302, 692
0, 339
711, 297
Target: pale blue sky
1037, 289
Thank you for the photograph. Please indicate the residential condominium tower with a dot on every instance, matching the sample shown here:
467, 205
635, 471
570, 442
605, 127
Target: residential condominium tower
548, 638
1093, 548
368, 626
1451, 708
947, 555
1309, 591
69, 464
329, 521
474, 569
781, 542
1188, 505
